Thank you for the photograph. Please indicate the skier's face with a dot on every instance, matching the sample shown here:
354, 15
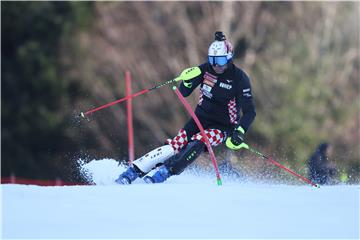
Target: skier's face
218, 63
219, 69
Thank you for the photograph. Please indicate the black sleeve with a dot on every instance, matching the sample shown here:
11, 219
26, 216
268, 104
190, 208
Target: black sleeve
245, 102
195, 82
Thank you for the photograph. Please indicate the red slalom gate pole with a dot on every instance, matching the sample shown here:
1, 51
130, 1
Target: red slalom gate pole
208, 145
272, 161
129, 117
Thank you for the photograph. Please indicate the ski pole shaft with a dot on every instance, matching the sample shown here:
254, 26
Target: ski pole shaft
292, 172
83, 114
272, 161
114, 102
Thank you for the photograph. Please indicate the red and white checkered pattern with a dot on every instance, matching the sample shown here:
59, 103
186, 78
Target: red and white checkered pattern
179, 141
232, 111
215, 136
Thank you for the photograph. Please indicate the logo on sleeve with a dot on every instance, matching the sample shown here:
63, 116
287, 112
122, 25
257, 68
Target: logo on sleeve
247, 92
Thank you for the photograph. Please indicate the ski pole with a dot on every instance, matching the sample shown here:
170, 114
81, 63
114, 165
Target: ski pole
83, 114
187, 74
272, 161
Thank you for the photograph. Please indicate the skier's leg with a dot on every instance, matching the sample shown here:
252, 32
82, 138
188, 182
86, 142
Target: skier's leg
179, 142
215, 136
153, 159
142, 166
177, 164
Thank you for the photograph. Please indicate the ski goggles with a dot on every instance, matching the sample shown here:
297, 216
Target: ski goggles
218, 60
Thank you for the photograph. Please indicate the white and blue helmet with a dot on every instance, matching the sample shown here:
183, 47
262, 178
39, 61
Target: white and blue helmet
220, 51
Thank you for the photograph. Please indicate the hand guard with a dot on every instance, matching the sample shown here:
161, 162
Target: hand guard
187, 75
187, 83
236, 141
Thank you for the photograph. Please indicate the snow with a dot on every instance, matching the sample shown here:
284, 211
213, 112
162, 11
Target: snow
186, 206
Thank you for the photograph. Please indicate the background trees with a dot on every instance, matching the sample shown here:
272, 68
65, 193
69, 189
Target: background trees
36, 95
62, 58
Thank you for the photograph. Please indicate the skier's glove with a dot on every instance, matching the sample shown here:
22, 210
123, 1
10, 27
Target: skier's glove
236, 141
187, 75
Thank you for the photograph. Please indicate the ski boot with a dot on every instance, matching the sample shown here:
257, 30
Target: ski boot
128, 176
160, 176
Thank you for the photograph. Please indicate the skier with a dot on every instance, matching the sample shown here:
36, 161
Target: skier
321, 170
224, 91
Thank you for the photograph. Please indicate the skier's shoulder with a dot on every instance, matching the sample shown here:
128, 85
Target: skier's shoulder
242, 78
241, 74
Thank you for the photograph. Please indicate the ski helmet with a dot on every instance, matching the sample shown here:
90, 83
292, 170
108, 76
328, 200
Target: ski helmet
220, 51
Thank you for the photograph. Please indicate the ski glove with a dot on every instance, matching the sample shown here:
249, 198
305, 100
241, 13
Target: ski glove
187, 75
236, 141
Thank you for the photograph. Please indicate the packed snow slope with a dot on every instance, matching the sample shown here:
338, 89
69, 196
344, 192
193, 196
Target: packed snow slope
186, 206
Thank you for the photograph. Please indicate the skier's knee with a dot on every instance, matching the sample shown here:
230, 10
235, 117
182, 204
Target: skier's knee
179, 141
